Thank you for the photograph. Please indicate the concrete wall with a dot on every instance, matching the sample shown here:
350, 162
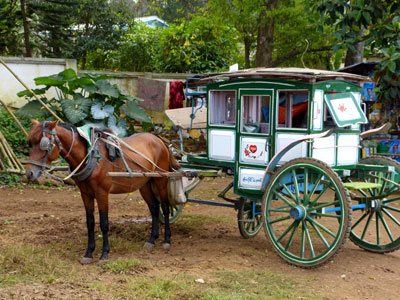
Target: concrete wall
27, 69
128, 84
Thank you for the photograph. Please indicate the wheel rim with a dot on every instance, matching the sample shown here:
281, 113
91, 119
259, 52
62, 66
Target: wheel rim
174, 212
377, 228
249, 224
306, 213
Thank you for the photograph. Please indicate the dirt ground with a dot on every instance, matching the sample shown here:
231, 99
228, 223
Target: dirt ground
37, 217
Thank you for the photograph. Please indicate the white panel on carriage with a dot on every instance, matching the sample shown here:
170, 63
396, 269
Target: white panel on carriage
325, 149
348, 149
222, 144
284, 139
253, 150
317, 109
250, 178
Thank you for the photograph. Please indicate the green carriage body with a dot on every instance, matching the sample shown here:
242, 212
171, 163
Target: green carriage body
272, 86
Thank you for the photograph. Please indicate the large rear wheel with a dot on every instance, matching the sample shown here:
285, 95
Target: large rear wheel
376, 228
306, 211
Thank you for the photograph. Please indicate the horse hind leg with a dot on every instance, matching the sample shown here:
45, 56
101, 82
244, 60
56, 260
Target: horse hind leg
161, 186
154, 207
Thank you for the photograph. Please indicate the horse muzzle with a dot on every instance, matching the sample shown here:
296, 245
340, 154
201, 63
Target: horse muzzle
33, 173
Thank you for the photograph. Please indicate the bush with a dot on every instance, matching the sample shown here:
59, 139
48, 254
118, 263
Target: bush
13, 134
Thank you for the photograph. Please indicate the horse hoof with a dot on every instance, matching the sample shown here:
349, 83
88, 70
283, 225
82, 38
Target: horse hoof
86, 260
148, 245
102, 262
166, 246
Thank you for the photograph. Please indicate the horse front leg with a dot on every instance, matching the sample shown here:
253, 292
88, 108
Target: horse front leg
89, 208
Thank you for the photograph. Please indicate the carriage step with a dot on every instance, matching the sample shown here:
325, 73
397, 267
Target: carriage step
361, 185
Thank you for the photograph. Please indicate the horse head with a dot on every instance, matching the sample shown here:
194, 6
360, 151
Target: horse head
46, 147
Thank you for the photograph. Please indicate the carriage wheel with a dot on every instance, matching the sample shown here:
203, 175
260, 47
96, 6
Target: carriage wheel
249, 224
174, 213
377, 228
306, 211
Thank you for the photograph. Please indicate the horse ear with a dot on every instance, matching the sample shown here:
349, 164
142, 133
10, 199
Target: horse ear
34, 122
53, 124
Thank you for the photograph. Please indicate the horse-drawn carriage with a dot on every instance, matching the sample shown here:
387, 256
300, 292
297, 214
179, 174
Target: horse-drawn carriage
290, 140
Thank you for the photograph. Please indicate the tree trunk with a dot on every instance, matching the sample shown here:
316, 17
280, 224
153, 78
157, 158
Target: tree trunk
247, 45
355, 57
28, 50
265, 38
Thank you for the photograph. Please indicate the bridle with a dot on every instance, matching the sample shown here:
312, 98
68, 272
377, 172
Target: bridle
47, 144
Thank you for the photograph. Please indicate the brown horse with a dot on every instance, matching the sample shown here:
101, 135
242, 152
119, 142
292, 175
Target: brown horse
50, 139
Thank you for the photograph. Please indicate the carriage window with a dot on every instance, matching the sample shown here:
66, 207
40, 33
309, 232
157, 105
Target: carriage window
293, 109
222, 106
255, 113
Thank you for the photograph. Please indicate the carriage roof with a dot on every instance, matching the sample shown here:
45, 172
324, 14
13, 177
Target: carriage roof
299, 74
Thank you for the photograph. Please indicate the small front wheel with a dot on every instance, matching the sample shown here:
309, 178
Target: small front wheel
174, 213
249, 218
307, 212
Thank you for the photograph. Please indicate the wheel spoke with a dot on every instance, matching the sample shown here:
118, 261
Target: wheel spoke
305, 186
289, 192
386, 226
316, 184
378, 236
322, 227
327, 215
320, 234
286, 231
309, 239
303, 238
296, 186
280, 196
382, 187
391, 200
391, 216
366, 225
292, 235
320, 194
392, 208
359, 220
279, 220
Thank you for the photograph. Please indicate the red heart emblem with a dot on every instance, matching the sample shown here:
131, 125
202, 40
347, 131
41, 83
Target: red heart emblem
253, 148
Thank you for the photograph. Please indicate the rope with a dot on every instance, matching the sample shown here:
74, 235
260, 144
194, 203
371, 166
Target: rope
132, 149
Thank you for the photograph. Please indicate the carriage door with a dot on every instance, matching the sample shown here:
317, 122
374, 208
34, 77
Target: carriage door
253, 136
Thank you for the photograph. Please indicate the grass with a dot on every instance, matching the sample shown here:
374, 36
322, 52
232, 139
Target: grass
225, 285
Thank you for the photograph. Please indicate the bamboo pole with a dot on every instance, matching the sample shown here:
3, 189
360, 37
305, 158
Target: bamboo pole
3, 151
14, 117
25, 86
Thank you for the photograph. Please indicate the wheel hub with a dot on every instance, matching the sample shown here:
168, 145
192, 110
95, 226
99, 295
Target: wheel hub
298, 212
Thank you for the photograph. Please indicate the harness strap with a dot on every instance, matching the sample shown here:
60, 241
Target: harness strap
133, 150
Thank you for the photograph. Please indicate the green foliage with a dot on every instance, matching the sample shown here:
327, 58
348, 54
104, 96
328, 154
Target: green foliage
10, 23
9, 179
199, 46
89, 99
377, 24
13, 134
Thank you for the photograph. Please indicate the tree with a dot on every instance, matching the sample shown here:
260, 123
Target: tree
376, 23
100, 25
281, 30
10, 39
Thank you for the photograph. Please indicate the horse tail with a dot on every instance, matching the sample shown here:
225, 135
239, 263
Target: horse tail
173, 163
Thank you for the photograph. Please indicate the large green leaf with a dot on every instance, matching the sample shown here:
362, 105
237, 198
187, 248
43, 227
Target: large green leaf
76, 110
97, 77
134, 111
101, 111
119, 128
32, 109
79, 83
106, 88
68, 74
49, 80
36, 91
